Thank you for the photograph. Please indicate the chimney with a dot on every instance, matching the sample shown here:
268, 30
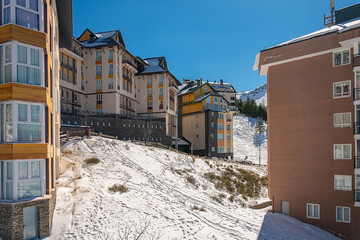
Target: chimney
200, 80
221, 81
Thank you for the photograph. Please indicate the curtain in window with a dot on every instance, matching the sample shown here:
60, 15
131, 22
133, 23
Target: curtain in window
27, 19
22, 112
23, 170
29, 133
29, 189
9, 133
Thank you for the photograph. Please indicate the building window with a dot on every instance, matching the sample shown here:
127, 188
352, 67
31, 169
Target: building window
313, 211
228, 137
213, 149
149, 92
342, 151
26, 13
111, 54
149, 80
25, 68
75, 97
221, 116
29, 183
98, 70
161, 92
220, 150
111, 66
161, 80
220, 137
342, 182
228, 150
98, 111
99, 99
342, 120
342, 58
98, 55
220, 126
227, 127
342, 89
21, 122
98, 84
212, 124
111, 83
149, 105
343, 214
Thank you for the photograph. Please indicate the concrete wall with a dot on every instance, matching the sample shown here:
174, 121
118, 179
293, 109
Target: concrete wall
124, 129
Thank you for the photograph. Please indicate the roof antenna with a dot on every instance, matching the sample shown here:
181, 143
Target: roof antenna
330, 21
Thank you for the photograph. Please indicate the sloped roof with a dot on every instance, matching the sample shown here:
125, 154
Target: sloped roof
225, 87
155, 65
339, 28
101, 39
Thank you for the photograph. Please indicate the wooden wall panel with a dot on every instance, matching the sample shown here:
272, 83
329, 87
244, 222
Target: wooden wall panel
17, 91
11, 32
15, 151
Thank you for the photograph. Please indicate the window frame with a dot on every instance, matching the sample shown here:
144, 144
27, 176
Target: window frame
341, 54
342, 125
342, 92
15, 178
342, 207
14, 122
13, 63
342, 150
312, 205
343, 188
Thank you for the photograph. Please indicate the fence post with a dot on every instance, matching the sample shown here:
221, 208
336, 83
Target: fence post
67, 135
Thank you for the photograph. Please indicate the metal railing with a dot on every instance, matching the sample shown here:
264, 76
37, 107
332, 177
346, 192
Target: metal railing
357, 128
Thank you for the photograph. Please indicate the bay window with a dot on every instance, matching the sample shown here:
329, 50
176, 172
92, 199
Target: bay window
21, 122
25, 13
22, 179
21, 63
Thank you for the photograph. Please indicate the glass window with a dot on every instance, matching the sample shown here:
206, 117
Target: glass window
111, 83
149, 92
343, 214
342, 58
313, 211
29, 133
161, 80
35, 113
342, 120
8, 115
29, 189
342, 182
342, 151
35, 169
98, 55
27, 19
111, 69
149, 80
6, 2
8, 54
160, 92
111, 54
99, 84
23, 170
21, 3
34, 57
23, 112
341, 89
98, 70
34, 5
9, 170
22, 52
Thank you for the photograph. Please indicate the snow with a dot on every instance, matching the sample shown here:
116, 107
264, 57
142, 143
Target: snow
259, 95
85, 209
243, 140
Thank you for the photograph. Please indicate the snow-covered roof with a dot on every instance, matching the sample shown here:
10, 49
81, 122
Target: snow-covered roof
223, 87
103, 39
154, 65
339, 28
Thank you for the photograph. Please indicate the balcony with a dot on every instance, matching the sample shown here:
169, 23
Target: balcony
129, 63
356, 60
357, 162
357, 196
357, 128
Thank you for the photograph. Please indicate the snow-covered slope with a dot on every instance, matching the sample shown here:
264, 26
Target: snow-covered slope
159, 198
259, 95
244, 140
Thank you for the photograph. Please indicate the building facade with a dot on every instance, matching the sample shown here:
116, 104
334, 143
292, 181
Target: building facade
205, 120
226, 90
29, 115
313, 134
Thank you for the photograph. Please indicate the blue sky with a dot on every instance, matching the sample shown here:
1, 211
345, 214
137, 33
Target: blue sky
211, 39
